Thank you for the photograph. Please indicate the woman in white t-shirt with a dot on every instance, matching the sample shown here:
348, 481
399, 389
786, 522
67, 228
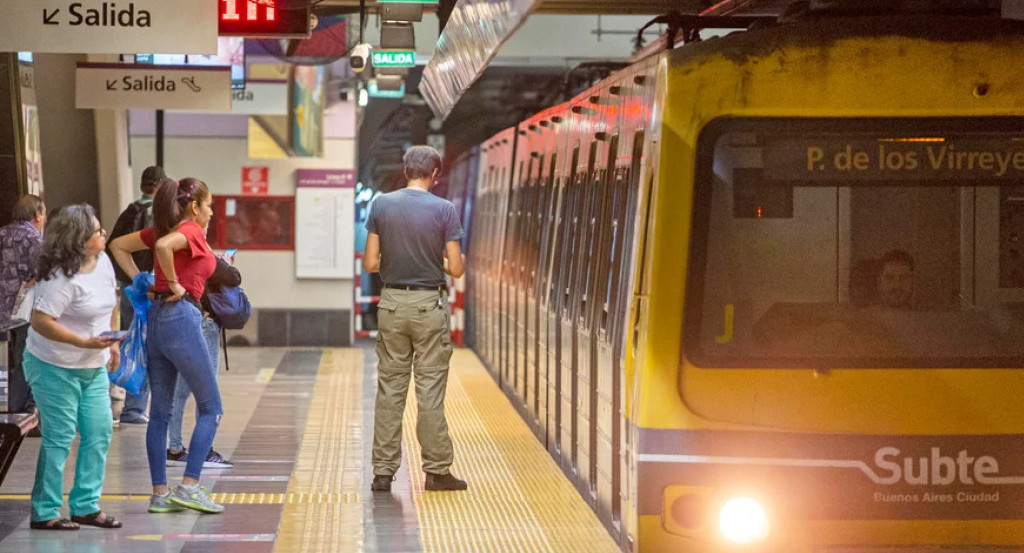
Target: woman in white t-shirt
65, 358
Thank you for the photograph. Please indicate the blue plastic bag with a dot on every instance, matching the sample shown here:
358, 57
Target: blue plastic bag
131, 375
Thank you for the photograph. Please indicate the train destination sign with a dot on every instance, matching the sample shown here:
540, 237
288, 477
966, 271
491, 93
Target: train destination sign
924, 159
185, 87
110, 27
394, 58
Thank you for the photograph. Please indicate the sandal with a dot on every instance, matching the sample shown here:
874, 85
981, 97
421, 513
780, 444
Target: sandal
93, 519
55, 524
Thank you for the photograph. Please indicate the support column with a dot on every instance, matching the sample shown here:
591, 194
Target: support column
115, 174
12, 149
113, 169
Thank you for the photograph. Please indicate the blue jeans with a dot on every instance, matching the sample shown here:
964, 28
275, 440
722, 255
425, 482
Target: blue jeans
175, 345
134, 407
181, 390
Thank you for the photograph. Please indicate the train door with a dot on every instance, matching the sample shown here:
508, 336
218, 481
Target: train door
475, 262
566, 413
548, 206
523, 288
533, 364
486, 251
601, 311
590, 198
503, 192
556, 258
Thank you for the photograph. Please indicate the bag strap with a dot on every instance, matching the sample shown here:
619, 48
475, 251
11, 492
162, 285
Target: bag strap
224, 347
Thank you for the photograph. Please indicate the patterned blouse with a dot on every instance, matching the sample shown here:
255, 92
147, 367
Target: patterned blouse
19, 252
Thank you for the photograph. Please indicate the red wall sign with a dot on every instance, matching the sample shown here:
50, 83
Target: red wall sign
255, 180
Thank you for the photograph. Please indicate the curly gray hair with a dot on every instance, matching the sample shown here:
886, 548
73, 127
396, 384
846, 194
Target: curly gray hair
67, 232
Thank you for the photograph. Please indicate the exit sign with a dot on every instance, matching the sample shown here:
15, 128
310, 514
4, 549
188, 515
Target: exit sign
264, 18
394, 58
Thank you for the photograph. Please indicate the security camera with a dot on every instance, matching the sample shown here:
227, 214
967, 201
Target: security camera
359, 58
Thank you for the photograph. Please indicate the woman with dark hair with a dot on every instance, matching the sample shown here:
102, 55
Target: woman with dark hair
174, 340
76, 301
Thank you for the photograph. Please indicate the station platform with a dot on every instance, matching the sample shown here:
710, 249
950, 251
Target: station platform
298, 426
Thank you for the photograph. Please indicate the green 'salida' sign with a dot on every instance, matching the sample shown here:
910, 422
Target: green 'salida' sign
394, 58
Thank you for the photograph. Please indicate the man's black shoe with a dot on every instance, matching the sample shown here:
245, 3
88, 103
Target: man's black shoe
382, 483
443, 482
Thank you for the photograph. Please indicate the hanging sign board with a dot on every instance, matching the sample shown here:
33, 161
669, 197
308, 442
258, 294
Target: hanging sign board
261, 99
98, 27
119, 86
394, 58
27, 77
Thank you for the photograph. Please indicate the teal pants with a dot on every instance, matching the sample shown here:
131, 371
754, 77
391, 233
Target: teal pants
68, 399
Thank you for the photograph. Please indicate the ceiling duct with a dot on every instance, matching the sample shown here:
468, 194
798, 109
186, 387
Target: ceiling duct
390, 82
397, 36
408, 13
400, 71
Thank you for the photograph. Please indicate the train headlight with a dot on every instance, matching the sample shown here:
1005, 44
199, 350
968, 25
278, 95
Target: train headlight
743, 520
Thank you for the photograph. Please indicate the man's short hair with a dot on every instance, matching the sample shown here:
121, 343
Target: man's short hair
420, 162
151, 177
898, 256
27, 207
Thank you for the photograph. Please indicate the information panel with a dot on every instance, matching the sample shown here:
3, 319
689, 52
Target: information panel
325, 223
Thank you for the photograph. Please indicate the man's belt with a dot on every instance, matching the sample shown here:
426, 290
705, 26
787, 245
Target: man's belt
414, 287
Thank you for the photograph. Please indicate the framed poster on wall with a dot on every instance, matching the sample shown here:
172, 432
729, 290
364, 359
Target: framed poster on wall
253, 223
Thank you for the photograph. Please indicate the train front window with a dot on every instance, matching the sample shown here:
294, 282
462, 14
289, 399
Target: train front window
858, 244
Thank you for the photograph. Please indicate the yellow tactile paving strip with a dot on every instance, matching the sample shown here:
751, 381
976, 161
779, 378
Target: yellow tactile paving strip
322, 511
518, 500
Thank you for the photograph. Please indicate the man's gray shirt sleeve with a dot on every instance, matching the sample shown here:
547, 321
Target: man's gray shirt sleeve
453, 230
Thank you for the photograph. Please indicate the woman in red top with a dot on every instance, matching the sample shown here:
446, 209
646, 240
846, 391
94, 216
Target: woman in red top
174, 338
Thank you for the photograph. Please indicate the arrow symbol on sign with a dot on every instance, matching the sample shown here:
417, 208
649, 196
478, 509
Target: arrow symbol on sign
111, 84
48, 17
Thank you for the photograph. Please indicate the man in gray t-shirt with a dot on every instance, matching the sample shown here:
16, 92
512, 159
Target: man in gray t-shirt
410, 233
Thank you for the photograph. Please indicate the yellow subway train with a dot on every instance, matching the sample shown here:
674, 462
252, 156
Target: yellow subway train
765, 292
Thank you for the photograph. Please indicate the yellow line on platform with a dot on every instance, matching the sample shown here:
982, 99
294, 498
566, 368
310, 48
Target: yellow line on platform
518, 500
237, 498
326, 514
264, 376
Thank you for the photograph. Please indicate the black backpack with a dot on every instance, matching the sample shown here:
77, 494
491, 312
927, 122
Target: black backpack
135, 217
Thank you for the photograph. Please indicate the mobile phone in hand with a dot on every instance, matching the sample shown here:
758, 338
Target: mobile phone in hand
230, 254
114, 334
